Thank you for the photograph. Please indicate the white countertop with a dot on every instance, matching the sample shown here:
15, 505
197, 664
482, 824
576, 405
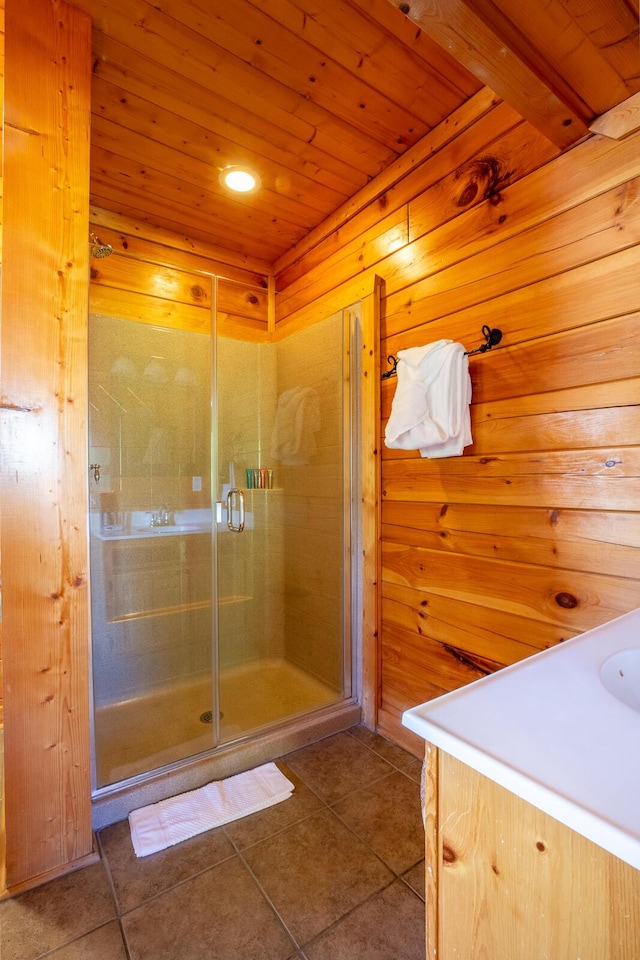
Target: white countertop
548, 730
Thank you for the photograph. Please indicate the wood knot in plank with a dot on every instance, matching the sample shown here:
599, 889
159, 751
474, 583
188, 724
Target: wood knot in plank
566, 600
448, 854
485, 177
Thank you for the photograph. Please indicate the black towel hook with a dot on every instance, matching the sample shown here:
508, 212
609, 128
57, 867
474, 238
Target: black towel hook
492, 337
393, 371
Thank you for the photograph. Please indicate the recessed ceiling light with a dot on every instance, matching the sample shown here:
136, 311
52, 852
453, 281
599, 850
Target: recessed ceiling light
239, 179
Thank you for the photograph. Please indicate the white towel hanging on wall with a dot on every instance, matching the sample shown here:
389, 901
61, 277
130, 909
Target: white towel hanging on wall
430, 409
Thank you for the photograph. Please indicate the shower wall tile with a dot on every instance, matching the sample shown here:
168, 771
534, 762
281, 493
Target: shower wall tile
314, 513
235, 564
134, 657
246, 385
234, 633
139, 674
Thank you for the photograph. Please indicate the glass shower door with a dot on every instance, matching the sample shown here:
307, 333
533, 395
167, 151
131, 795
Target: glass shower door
282, 604
151, 545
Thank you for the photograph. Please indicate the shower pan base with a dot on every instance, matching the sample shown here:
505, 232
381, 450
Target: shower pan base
149, 732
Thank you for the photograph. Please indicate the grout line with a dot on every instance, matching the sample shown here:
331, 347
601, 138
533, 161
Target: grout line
107, 869
270, 902
174, 886
396, 875
179, 883
62, 947
336, 923
381, 756
405, 881
236, 852
124, 939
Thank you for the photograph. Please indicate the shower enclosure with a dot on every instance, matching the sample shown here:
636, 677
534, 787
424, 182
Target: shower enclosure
220, 497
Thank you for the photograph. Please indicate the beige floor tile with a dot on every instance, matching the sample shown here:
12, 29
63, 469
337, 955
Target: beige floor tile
56, 913
387, 816
218, 915
389, 926
314, 872
136, 879
394, 754
336, 766
106, 943
302, 803
325, 878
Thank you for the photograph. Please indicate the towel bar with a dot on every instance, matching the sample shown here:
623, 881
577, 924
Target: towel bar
491, 335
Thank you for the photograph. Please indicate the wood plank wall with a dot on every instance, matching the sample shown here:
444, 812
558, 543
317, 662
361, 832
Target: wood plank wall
46, 798
1, 196
155, 276
532, 536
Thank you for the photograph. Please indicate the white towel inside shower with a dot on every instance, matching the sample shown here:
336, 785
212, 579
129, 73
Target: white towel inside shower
297, 421
171, 821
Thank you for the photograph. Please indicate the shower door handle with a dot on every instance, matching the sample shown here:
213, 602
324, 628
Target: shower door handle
235, 494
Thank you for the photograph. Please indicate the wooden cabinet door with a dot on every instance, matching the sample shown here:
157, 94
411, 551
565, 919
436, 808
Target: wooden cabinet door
513, 882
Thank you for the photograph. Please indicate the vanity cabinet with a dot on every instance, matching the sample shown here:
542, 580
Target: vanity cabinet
506, 881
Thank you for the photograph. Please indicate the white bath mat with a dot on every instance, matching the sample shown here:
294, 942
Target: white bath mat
171, 821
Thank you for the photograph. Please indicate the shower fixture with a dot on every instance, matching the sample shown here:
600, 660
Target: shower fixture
99, 249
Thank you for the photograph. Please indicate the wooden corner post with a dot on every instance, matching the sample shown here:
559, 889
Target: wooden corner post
47, 789
370, 466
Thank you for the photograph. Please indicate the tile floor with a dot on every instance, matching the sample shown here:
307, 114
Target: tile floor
334, 873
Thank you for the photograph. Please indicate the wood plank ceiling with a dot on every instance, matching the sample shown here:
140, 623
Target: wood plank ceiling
320, 96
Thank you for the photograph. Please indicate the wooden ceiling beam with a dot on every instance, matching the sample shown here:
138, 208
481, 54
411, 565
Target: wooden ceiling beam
486, 53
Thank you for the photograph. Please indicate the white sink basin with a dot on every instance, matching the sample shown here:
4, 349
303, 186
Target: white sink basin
620, 675
561, 729
171, 529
